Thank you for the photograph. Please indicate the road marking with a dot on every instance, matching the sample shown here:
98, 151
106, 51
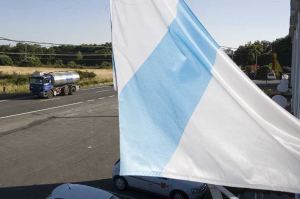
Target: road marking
92, 100
101, 98
87, 89
1, 101
47, 100
122, 195
103, 91
41, 110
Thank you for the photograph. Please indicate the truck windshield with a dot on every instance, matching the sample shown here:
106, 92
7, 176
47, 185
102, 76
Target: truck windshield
36, 80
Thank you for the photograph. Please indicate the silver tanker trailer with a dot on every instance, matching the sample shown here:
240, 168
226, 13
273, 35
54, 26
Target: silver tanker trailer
52, 84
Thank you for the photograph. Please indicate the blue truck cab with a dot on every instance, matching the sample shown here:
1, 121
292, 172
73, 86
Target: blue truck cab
40, 85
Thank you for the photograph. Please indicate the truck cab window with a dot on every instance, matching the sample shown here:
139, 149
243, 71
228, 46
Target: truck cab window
36, 81
46, 81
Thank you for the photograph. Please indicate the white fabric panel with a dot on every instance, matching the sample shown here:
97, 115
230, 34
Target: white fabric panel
238, 137
142, 18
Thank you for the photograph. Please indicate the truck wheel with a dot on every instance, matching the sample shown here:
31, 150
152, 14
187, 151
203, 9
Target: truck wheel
65, 90
72, 90
120, 183
50, 94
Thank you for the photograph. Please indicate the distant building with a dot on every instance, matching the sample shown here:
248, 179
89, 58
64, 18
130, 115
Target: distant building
295, 35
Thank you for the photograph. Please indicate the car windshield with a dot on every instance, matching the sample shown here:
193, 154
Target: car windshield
36, 80
117, 161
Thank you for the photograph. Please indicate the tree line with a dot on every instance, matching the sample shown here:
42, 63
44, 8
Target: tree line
260, 56
258, 53
21, 54
246, 54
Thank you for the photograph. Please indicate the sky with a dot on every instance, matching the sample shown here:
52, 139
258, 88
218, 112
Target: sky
231, 22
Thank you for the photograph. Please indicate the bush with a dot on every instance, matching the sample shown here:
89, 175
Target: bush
58, 62
86, 74
262, 72
71, 64
14, 79
6, 60
31, 61
106, 65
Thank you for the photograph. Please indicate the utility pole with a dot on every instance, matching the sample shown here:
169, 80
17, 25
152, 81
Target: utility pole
255, 58
25, 51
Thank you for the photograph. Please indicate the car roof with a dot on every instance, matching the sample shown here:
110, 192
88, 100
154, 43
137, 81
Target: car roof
75, 191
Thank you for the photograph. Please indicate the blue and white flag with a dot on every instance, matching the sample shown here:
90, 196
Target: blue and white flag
188, 112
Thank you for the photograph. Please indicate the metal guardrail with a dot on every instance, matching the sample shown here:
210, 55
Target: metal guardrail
216, 192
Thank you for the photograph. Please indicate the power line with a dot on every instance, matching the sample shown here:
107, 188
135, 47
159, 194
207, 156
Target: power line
62, 55
66, 59
32, 42
51, 43
83, 45
226, 47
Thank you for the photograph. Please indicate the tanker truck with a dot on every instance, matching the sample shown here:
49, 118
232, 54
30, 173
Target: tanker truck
48, 85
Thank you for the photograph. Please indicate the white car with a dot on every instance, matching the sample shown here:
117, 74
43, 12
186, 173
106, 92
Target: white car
271, 76
174, 189
76, 191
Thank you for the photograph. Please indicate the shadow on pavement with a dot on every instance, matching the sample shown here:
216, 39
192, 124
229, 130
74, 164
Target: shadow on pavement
42, 191
21, 96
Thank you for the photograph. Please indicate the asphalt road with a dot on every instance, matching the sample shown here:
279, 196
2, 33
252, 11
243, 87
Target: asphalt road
44, 143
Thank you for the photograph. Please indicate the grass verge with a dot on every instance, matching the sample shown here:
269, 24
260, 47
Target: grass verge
15, 80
